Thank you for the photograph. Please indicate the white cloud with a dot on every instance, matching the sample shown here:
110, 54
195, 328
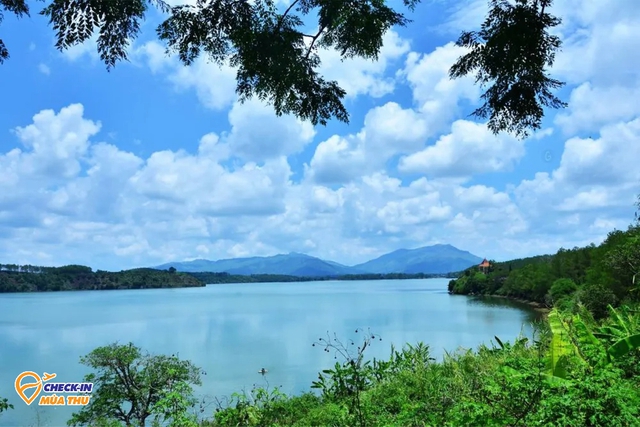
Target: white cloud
89, 49
258, 134
215, 85
360, 76
591, 107
102, 203
435, 94
388, 130
44, 69
609, 160
597, 35
468, 150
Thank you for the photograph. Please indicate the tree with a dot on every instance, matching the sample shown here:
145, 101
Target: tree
625, 258
130, 387
277, 59
562, 288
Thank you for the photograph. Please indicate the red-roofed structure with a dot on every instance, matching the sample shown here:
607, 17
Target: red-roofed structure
484, 266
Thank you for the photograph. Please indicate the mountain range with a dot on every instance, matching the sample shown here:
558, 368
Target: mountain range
436, 259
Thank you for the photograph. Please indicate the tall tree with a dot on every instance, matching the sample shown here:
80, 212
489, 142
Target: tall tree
277, 57
132, 387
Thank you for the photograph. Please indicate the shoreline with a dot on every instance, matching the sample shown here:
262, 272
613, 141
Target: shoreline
533, 304
539, 307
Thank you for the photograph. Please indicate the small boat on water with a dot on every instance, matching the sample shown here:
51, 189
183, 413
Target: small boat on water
262, 371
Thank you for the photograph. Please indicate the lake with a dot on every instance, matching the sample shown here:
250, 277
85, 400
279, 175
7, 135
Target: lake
233, 330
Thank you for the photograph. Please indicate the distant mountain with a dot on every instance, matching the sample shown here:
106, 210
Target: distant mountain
293, 264
437, 259
434, 259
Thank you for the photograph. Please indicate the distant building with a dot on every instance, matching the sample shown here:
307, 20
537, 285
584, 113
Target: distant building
484, 266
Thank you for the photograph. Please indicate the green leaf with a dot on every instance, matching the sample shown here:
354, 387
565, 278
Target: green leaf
586, 338
560, 347
624, 346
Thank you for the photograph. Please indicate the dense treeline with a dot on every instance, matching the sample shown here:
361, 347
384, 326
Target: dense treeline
30, 278
215, 278
594, 275
14, 278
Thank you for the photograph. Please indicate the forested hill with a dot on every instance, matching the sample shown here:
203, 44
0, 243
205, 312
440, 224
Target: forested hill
593, 275
14, 278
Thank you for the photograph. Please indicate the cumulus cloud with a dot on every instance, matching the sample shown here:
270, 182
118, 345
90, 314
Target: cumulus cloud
592, 107
411, 172
101, 202
360, 76
388, 130
257, 133
437, 96
469, 149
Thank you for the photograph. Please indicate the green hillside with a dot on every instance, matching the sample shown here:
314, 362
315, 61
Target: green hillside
594, 275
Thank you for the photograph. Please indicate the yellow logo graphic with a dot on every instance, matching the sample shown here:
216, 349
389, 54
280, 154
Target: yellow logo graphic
51, 399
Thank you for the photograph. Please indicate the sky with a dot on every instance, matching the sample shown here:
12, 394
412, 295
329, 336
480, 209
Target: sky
156, 162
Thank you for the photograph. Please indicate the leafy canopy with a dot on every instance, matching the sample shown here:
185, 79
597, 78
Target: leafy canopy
131, 387
277, 58
510, 52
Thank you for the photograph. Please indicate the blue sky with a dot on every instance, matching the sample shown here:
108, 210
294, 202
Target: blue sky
156, 162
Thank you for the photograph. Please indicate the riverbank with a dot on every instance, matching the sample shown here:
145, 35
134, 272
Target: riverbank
533, 304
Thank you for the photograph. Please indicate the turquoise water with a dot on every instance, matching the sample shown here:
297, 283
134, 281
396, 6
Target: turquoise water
233, 330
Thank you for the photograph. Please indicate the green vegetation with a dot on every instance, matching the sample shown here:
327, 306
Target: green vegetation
214, 278
28, 278
277, 56
595, 276
131, 387
4, 405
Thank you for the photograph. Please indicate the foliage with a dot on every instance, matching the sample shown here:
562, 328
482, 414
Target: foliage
492, 386
131, 387
349, 379
4, 405
562, 288
29, 278
512, 51
277, 59
625, 257
594, 276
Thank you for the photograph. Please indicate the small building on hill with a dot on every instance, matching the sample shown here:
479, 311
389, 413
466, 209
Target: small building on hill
484, 266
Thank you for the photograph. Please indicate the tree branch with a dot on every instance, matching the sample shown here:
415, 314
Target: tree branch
313, 40
286, 12
289, 8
